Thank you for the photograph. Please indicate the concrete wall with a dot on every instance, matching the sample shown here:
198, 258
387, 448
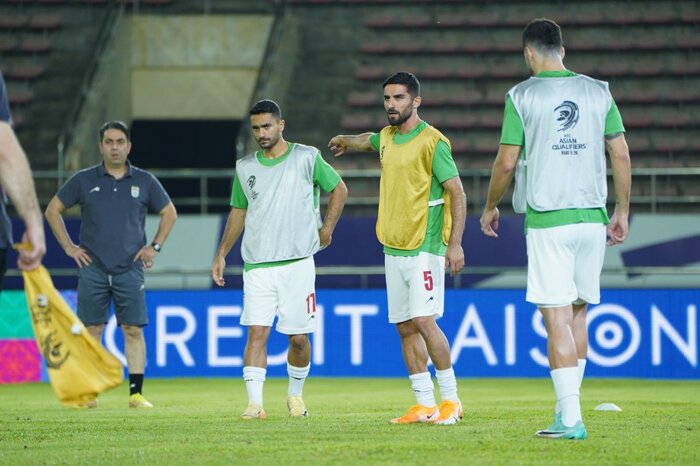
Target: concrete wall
107, 99
172, 67
277, 72
196, 67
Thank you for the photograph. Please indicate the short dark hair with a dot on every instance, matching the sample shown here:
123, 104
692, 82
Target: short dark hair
407, 79
115, 124
543, 34
266, 106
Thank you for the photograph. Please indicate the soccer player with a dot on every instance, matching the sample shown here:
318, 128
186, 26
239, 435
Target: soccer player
16, 180
561, 123
275, 197
422, 209
114, 198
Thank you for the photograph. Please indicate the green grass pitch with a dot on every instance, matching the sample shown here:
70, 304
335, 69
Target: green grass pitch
195, 422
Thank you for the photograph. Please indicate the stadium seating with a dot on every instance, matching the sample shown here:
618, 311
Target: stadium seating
88, 2
467, 54
34, 45
19, 96
45, 22
44, 78
8, 44
24, 71
13, 21
26, 41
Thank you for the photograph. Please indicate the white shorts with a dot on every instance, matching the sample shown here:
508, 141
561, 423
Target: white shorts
286, 291
564, 264
415, 286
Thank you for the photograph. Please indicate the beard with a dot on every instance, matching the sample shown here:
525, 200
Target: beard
268, 142
397, 120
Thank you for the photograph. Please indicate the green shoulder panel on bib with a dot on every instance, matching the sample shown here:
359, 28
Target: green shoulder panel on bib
512, 132
613, 122
238, 199
374, 141
325, 176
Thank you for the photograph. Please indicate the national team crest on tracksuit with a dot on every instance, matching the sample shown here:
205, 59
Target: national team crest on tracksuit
135, 192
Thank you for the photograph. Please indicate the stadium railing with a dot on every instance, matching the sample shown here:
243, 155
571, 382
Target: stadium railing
210, 199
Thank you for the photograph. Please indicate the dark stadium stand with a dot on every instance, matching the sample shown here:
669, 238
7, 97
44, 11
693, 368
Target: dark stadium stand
22, 71
44, 48
35, 45
45, 3
13, 21
466, 53
20, 96
8, 44
45, 22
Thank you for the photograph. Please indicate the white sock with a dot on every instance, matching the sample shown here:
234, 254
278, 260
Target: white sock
581, 370
566, 387
422, 386
254, 379
297, 377
448, 384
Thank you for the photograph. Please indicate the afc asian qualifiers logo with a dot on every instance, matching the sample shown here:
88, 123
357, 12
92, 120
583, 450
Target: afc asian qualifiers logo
568, 115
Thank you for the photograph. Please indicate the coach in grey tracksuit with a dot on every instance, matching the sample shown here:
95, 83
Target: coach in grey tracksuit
114, 198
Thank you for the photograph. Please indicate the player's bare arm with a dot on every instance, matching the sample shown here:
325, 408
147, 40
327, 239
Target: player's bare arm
16, 179
353, 143
454, 256
501, 176
234, 227
336, 202
618, 228
54, 217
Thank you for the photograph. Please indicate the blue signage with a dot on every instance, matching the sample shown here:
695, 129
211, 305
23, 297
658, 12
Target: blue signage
492, 333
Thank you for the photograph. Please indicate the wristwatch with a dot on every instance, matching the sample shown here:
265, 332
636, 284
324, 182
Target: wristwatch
156, 246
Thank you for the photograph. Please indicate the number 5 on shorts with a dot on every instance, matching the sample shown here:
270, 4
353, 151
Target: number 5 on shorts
428, 279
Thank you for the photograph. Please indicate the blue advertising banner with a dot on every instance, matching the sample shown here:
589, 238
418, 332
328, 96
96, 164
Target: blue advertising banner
492, 333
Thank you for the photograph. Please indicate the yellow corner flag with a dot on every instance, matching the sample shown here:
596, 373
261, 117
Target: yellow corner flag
79, 367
